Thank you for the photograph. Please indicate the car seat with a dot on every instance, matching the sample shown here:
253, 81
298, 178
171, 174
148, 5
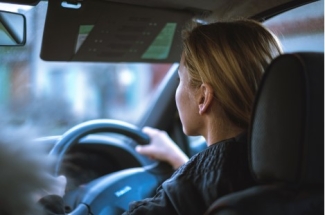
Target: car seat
286, 142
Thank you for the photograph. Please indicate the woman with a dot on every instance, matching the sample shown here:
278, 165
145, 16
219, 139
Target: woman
221, 66
220, 69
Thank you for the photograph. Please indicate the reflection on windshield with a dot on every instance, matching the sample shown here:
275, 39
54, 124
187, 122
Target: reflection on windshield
55, 96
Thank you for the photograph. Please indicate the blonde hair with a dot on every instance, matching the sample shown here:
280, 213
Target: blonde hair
25, 172
230, 56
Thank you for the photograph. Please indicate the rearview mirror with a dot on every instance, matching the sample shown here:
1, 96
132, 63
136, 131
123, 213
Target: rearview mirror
12, 29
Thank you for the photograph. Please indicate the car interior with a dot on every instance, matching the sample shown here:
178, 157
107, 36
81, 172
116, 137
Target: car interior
135, 47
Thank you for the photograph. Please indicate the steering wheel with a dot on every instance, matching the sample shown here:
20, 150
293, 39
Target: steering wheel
112, 193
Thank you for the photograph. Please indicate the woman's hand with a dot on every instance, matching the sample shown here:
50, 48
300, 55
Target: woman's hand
162, 148
61, 185
56, 187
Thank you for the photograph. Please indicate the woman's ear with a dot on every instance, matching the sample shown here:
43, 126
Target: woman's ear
205, 97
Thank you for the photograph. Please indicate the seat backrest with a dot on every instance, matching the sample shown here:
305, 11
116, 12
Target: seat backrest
286, 141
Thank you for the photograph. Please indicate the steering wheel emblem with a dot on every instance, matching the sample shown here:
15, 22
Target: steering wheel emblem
122, 191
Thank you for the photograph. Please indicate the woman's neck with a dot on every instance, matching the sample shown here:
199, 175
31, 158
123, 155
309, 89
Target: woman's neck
221, 131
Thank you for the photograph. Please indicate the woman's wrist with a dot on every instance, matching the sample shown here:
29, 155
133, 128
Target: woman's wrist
178, 159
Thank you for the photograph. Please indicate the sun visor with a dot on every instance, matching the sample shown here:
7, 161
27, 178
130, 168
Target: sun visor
101, 31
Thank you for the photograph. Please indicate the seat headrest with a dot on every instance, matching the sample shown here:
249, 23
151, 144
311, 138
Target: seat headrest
286, 138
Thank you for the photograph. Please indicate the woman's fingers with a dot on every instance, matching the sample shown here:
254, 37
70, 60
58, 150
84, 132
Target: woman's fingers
162, 148
62, 183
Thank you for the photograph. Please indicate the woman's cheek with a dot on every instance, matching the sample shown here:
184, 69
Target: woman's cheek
177, 98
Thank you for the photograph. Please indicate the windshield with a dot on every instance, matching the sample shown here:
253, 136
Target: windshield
54, 96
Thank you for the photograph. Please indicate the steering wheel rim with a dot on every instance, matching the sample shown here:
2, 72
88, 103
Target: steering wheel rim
157, 172
73, 135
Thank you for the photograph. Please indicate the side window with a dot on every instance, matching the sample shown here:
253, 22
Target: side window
197, 144
300, 29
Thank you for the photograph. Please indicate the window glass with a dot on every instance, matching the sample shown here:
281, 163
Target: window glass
300, 29
54, 96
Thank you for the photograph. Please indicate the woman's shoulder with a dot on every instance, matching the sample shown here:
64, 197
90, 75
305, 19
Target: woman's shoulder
215, 156
217, 167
